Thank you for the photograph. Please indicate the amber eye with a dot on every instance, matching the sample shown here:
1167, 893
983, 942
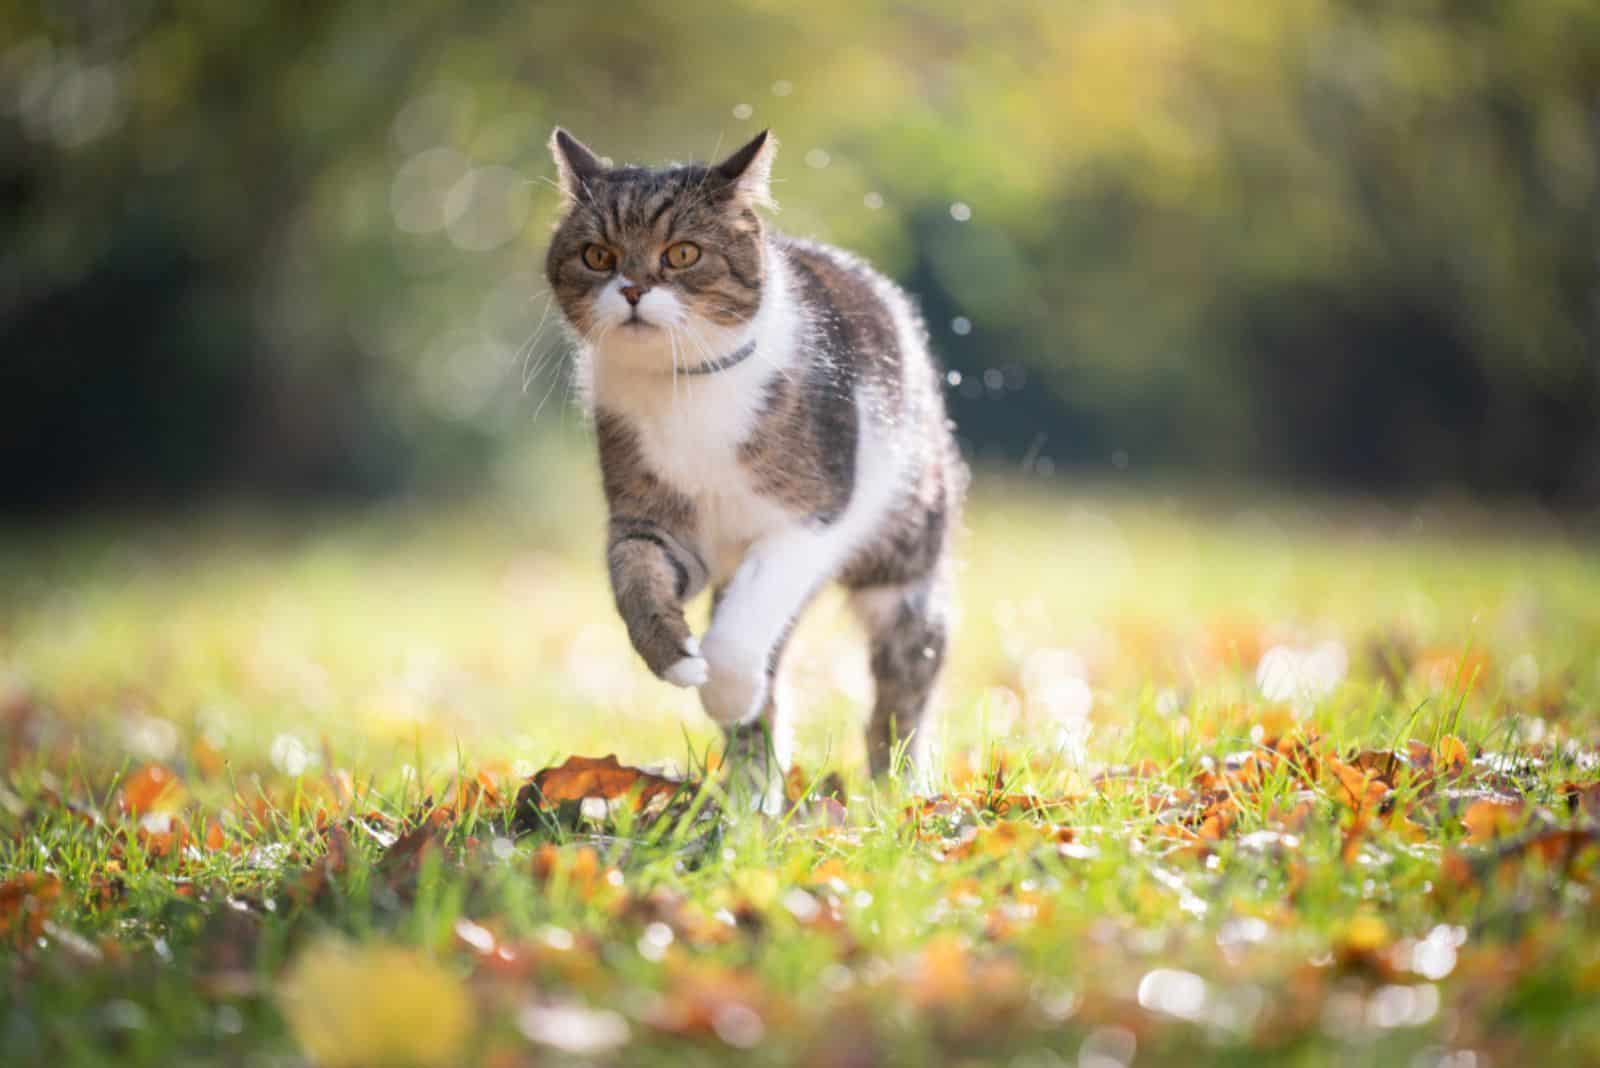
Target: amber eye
597, 258
683, 254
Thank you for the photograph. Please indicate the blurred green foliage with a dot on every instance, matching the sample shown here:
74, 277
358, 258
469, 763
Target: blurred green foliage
299, 245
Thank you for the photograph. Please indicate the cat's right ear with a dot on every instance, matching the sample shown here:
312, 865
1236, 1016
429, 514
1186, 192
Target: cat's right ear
576, 165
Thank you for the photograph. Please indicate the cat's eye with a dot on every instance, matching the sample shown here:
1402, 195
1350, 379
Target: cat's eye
598, 258
682, 254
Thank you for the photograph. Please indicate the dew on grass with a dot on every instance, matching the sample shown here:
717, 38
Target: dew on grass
1242, 931
478, 937
960, 211
1108, 1047
738, 1025
1399, 1005
802, 905
557, 938
1434, 956
654, 941
574, 1029
1173, 993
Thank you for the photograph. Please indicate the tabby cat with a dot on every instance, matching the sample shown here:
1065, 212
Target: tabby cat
769, 419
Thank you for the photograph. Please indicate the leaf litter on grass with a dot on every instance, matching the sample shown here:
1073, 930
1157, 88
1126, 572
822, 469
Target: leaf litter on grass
345, 1001
1242, 877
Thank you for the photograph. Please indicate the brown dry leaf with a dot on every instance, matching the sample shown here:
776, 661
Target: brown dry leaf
705, 998
26, 902
1358, 789
162, 834
1420, 757
1382, 764
1583, 798
941, 973
1561, 847
582, 777
151, 788
1487, 819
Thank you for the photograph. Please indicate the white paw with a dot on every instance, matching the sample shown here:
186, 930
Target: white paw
737, 687
689, 672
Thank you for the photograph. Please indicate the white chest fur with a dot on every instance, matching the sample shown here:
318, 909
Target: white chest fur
691, 427
691, 441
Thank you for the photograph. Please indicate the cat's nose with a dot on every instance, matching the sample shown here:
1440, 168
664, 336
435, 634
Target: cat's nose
633, 293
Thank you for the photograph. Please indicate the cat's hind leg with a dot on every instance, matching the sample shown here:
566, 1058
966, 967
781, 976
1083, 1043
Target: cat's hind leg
908, 629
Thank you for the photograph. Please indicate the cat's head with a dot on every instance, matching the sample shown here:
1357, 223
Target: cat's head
659, 264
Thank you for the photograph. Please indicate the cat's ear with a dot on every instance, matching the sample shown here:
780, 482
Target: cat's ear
749, 170
576, 165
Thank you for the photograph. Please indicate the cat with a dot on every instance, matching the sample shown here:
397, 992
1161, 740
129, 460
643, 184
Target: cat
769, 420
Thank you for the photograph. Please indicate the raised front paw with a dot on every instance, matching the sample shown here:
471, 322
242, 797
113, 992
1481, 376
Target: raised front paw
689, 671
736, 688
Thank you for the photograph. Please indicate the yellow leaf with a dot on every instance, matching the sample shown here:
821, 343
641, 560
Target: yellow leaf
350, 1005
1365, 933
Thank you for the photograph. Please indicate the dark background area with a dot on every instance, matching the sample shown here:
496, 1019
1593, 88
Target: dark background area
294, 249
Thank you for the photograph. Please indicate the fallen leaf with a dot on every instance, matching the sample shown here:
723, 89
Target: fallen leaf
584, 777
151, 788
349, 1004
26, 902
1487, 819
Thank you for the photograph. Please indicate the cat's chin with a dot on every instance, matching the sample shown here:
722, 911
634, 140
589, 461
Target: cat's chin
639, 346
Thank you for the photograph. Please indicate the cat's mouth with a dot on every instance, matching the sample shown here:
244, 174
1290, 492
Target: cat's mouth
637, 322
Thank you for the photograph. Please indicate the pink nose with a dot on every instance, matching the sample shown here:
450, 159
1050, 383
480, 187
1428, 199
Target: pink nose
632, 293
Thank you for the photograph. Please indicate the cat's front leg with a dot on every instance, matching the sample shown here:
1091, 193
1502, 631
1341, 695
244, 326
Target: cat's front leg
652, 574
773, 582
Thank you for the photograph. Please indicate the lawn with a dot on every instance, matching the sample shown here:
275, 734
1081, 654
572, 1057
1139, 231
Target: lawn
1226, 781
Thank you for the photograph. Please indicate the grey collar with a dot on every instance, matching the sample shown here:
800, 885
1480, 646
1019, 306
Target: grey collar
732, 359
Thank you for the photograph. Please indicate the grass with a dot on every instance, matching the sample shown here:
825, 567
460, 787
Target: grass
257, 804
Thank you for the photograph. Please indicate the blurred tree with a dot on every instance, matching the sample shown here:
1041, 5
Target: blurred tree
297, 246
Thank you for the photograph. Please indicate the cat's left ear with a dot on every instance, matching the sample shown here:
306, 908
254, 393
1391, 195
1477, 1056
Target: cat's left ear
749, 170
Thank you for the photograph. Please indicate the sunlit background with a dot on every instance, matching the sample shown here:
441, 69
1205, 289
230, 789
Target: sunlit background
255, 248
1230, 297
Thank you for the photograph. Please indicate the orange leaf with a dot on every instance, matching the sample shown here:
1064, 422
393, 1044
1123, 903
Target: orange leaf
26, 902
1358, 789
150, 788
581, 777
942, 974
1487, 819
